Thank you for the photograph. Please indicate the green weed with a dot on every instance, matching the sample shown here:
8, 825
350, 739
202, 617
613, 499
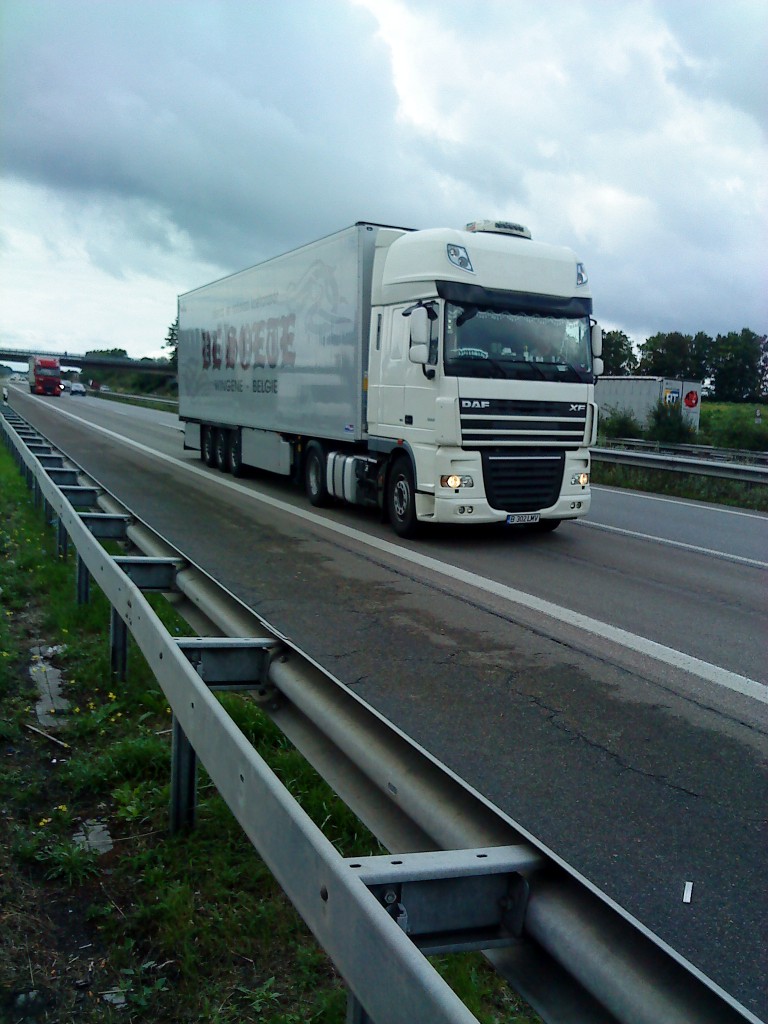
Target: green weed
68, 861
614, 423
667, 425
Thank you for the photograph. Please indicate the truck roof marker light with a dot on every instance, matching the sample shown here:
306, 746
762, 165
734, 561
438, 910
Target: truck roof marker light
459, 257
581, 274
500, 227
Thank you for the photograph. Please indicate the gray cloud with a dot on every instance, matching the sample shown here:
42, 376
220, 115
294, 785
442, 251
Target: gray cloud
728, 42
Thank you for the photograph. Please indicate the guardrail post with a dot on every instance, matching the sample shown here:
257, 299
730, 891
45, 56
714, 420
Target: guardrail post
62, 540
83, 582
118, 643
356, 1012
183, 781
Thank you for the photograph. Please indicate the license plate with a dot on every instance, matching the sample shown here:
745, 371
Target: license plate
522, 517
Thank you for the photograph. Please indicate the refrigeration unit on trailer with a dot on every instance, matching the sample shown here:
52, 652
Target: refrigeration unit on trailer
444, 376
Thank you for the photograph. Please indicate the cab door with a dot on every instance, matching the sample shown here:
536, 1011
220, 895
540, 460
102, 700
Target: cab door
386, 389
421, 389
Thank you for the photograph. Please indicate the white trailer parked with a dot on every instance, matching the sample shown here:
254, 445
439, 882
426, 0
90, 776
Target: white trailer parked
444, 376
639, 396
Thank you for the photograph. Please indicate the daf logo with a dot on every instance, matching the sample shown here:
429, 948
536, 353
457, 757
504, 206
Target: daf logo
578, 408
475, 403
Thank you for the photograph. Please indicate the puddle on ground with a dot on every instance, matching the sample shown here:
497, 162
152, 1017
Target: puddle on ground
47, 679
94, 835
115, 998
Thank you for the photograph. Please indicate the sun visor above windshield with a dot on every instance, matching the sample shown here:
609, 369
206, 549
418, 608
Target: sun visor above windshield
513, 302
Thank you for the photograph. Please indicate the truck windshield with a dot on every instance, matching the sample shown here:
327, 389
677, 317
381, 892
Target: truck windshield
46, 371
482, 342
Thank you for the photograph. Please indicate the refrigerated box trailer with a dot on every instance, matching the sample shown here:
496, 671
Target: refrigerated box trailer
444, 376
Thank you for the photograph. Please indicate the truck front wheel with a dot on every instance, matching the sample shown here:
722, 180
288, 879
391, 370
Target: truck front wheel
207, 449
401, 499
314, 475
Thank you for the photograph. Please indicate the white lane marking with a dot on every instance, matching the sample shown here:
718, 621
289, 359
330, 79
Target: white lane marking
741, 559
701, 506
648, 648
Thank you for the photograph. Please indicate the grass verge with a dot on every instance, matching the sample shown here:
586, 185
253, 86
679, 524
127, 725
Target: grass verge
159, 928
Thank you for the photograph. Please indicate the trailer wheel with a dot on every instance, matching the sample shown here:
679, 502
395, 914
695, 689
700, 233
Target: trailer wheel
207, 449
314, 475
401, 498
235, 453
221, 444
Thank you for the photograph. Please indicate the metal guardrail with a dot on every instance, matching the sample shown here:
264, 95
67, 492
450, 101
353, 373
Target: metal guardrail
120, 396
467, 877
678, 463
697, 451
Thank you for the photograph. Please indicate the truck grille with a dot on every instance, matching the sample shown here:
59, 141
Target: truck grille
523, 481
508, 422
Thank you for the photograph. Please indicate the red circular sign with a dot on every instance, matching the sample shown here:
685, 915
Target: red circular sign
692, 399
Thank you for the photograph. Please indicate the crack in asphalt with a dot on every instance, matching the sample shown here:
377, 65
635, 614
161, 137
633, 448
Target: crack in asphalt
556, 718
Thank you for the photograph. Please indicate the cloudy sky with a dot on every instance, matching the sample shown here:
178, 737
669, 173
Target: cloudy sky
149, 146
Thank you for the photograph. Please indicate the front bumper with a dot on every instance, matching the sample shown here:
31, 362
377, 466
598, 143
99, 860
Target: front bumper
472, 505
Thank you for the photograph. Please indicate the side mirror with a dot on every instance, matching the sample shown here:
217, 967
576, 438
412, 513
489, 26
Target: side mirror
419, 354
598, 366
419, 322
597, 340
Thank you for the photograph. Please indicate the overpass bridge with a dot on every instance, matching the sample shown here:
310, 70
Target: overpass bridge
71, 360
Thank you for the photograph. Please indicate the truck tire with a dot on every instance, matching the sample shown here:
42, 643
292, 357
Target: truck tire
401, 498
235, 453
314, 475
221, 446
207, 448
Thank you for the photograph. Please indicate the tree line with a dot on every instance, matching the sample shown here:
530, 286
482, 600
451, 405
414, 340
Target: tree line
734, 365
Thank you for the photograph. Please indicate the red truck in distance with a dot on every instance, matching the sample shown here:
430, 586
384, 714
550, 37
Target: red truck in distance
44, 375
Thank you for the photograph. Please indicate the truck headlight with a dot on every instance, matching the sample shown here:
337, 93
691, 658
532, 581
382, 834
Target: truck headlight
580, 479
454, 481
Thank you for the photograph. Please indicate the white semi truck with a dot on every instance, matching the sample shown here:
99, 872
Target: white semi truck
444, 376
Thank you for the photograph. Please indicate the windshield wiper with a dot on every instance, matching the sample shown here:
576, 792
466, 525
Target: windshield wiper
577, 374
524, 362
